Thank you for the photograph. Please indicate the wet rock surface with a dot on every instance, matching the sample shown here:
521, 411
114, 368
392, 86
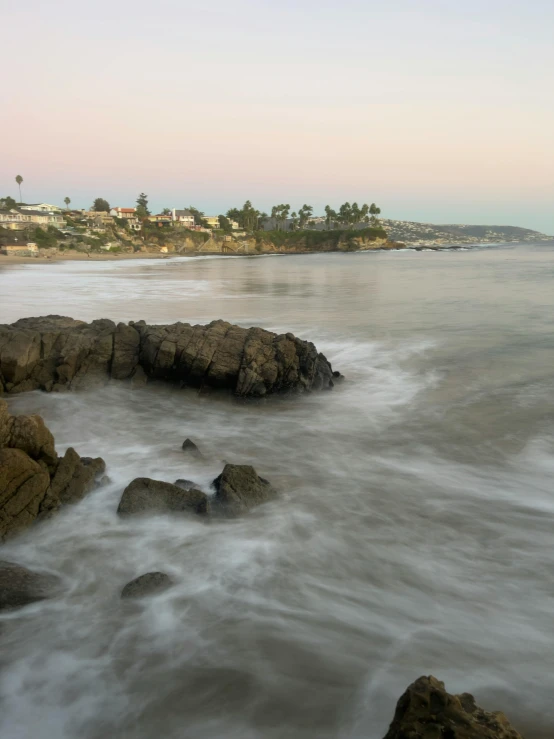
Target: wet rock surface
239, 488
427, 711
189, 447
59, 353
34, 481
20, 586
144, 495
148, 584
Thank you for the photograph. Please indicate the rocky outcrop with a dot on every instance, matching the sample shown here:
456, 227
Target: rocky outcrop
239, 488
190, 448
147, 584
427, 711
59, 353
34, 481
20, 586
144, 495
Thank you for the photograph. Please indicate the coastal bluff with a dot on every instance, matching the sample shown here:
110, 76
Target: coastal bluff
56, 353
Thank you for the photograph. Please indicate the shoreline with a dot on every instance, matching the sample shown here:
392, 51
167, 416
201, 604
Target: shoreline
114, 257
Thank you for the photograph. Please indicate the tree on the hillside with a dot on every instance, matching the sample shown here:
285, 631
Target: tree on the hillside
19, 180
304, 215
279, 214
198, 217
67, 201
295, 220
7, 202
225, 224
330, 217
166, 212
142, 206
261, 217
247, 217
101, 205
375, 212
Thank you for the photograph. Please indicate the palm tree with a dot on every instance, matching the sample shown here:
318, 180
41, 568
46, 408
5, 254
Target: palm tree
67, 201
19, 180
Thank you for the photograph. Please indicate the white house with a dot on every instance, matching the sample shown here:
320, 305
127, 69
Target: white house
123, 212
44, 207
183, 218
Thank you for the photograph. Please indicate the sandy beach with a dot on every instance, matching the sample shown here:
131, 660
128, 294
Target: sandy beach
75, 256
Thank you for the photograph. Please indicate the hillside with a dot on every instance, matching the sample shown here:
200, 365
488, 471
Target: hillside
411, 232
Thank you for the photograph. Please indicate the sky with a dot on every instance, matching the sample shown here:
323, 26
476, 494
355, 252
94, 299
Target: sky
437, 110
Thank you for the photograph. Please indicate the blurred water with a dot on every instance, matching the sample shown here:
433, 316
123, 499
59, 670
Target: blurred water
413, 535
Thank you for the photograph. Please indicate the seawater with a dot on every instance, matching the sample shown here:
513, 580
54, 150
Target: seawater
413, 534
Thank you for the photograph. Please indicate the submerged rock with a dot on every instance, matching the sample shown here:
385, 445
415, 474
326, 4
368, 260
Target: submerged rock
239, 488
56, 353
147, 584
144, 495
427, 711
34, 481
20, 586
190, 448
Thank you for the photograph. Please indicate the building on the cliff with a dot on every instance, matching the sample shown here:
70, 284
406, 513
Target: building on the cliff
123, 212
19, 218
130, 215
44, 207
161, 219
212, 221
182, 218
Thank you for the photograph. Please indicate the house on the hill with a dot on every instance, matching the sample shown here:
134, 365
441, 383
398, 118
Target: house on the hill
44, 207
182, 218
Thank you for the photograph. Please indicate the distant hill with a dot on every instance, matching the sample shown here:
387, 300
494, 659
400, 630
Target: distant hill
429, 233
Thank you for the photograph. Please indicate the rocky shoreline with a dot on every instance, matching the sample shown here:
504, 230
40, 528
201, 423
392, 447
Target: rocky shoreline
56, 353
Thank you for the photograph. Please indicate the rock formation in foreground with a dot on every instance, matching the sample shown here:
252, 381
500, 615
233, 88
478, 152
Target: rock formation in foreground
34, 481
58, 353
20, 586
427, 711
237, 489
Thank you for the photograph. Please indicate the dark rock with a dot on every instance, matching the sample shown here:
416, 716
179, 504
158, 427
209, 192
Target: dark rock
144, 495
427, 711
56, 353
20, 586
190, 448
239, 488
34, 481
148, 584
186, 484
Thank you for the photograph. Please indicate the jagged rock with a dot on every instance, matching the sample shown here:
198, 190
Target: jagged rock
20, 586
56, 353
190, 448
144, 495
147, 584
34, 481
75, 476
239, 488
186, 484
427, 711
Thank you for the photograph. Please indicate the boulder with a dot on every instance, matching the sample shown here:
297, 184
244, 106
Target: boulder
427, 711
147, 584
144, 495
239, 488
56, 353
190, 448
34, 481
20, 586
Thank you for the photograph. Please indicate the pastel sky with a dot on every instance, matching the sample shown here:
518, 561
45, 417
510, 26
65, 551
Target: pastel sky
438, 110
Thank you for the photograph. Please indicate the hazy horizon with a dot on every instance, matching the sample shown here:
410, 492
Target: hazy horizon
438, 114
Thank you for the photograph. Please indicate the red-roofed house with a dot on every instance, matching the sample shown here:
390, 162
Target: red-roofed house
123, 212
